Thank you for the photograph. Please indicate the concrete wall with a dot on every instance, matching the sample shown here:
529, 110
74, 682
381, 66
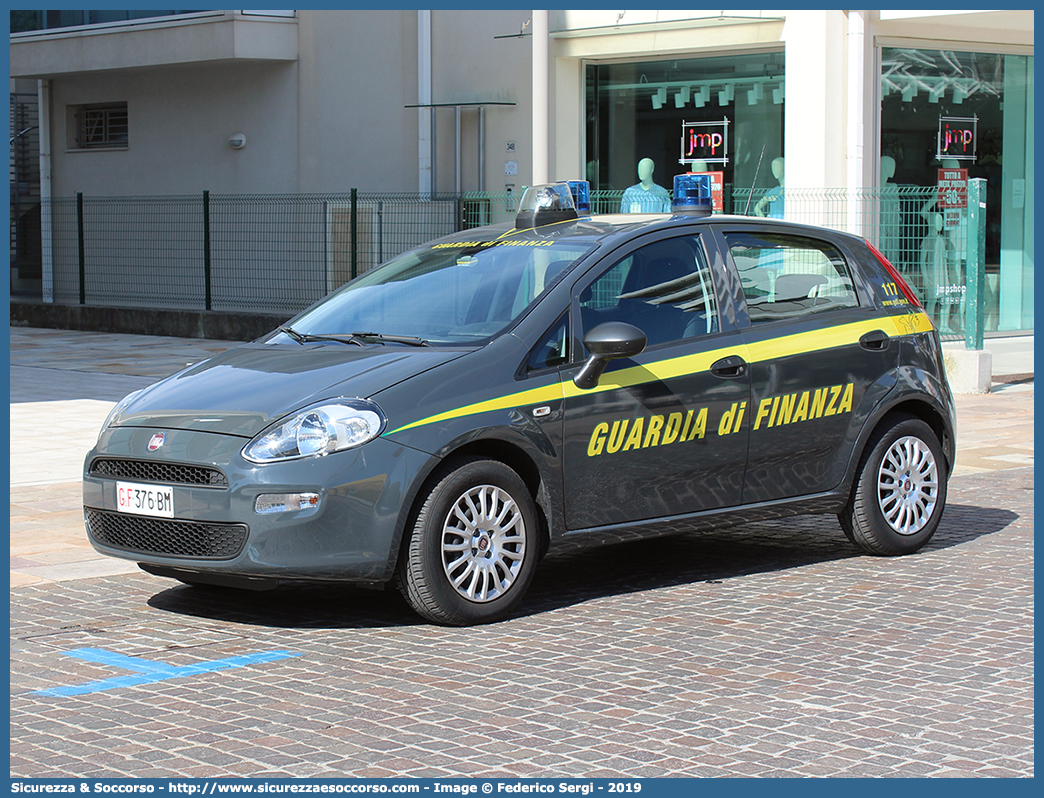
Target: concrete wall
330, 120
358, 71
218, 325
815, 137
159, 42
470, 65
180, 120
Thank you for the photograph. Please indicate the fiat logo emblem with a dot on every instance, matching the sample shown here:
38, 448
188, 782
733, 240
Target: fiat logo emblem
157, 441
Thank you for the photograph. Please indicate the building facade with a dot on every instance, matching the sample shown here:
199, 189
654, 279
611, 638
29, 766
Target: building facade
236, 102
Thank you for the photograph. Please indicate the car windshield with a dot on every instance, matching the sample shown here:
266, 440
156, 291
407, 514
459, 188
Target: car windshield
457, 292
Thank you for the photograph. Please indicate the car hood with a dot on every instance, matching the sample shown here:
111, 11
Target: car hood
243, 390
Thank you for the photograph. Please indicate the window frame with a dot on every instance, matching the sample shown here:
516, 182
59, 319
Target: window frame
81, 117
524, 370
703, 237
862, 299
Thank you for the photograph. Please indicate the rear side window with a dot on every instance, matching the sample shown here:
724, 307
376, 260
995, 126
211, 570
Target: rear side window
786, 276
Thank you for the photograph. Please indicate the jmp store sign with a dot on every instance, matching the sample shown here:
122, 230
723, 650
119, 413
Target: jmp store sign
705, 143
958, 138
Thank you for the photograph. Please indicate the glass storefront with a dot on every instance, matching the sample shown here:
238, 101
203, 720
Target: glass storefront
969, 114
639, 112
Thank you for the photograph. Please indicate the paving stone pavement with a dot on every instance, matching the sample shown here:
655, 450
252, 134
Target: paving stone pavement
769, 650
773, 650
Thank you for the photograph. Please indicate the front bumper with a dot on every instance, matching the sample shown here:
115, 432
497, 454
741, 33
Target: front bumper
352, 534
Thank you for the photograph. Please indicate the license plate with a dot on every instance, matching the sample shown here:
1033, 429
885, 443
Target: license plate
138, 499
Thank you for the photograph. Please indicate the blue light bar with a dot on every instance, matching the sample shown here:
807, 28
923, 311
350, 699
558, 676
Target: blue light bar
692, 195
581, 191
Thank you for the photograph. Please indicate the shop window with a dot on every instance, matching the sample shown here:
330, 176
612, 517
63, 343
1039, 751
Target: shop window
636, 112
946, 109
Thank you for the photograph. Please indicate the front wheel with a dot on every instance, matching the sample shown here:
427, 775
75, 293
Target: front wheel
900, 489
473, 545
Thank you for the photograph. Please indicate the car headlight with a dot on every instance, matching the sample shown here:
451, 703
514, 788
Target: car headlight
330, 426
117, 411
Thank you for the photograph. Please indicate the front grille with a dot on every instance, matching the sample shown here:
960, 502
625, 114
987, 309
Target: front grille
135, 533
158, 471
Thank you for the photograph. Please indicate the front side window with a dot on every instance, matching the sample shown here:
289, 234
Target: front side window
553, 349
462, 292
786, 276
664, 289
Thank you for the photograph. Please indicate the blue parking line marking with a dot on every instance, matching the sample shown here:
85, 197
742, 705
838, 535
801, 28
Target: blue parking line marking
148, 671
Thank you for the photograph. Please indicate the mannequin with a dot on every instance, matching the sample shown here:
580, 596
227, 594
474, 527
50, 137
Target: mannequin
890, 239
645, 196
772, 203
935, 271
959, 232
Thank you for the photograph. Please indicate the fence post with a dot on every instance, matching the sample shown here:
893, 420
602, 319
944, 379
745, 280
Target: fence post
207, 301
380, 232
461, 221
354, 246
82, 248
975, 264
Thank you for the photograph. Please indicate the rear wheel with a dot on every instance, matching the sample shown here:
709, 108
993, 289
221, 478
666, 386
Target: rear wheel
900, 489
473, 545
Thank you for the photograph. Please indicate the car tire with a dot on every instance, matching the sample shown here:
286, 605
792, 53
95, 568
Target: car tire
900, 489
472, 546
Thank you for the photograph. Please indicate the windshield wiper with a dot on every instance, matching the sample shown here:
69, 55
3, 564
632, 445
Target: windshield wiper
307, 338
358, 338
292, 333
409, 340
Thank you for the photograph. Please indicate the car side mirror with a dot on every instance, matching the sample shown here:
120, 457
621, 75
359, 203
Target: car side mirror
608, 341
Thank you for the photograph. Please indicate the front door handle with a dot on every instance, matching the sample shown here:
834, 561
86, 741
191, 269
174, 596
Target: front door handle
875, 341
730, 367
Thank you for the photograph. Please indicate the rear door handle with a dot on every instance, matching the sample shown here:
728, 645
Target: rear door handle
730, 367
875, 341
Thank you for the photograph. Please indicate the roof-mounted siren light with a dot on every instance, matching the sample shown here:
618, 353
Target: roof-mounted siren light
581, 191
545, 204
692, 195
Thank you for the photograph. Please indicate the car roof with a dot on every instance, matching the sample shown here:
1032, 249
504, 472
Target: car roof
600, 228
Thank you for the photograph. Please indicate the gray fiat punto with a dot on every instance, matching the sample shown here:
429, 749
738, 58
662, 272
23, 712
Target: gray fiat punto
444, 421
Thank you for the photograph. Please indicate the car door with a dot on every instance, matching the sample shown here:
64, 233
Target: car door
819, 357
663, 433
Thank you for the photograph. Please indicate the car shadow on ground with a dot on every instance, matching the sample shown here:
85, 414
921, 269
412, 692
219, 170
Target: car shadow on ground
565, 580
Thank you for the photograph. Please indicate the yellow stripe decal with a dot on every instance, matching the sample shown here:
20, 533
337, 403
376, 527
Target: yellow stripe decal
533, 396
758, 352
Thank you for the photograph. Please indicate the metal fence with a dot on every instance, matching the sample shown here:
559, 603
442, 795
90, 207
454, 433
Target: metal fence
24, 165
281, 253
235, 252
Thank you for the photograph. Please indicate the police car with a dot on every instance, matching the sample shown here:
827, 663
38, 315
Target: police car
444, 421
